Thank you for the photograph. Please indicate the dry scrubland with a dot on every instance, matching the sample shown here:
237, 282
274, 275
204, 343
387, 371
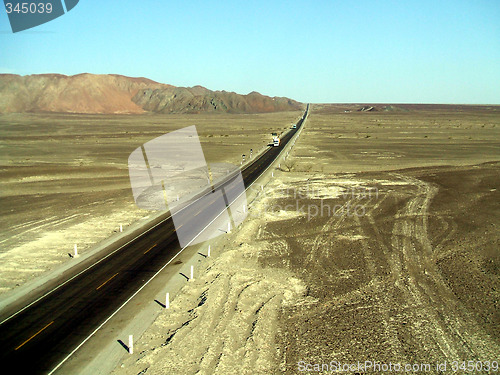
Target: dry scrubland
413, 278
64, 178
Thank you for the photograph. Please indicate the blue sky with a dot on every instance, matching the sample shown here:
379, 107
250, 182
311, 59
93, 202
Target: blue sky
438, 51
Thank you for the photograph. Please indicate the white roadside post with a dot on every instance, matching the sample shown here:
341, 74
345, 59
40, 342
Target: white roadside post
228, 227
76, 250
167, 301
121, 228
192, 274
208, 253
272, 174
130, 344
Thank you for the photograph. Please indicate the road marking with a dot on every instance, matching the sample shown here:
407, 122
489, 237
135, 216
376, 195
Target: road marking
297, 133
196, 214
104, 283
34, 335
147, 251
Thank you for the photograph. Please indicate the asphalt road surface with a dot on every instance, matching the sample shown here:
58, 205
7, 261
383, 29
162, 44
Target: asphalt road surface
35, 340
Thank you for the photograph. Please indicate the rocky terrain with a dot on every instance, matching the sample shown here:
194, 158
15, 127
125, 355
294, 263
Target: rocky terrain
112, 94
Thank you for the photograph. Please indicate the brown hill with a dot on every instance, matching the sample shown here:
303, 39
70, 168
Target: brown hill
82, 93
91, 93
199, 99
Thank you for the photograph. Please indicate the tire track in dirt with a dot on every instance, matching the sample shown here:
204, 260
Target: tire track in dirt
321, 243
408, 232
445, 323
386, 296
445, 319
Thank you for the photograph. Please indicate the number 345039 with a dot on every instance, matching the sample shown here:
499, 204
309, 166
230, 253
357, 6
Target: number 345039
29, 8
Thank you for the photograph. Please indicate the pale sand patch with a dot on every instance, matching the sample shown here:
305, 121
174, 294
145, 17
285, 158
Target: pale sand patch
32, 258
354, 237
395, 183
281, 215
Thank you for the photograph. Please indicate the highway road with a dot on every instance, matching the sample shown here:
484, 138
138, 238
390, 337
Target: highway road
35, 340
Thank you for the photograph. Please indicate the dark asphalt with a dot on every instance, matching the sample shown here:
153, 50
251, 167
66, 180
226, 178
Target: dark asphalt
37, 339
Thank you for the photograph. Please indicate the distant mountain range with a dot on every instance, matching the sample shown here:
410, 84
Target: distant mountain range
113, 94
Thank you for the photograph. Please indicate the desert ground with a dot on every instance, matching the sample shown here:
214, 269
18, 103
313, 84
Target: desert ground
64, 177
377, 240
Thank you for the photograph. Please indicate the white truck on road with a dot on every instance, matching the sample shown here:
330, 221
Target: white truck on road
276, 139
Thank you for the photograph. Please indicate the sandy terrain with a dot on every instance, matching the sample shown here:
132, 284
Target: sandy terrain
64, 178
377, 241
